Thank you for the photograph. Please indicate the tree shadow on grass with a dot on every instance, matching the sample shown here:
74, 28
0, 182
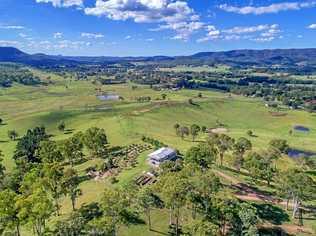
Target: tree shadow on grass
227, 168
255, 189
273, 231
80, 161
274, 214
158, 232
83, 178
69, 131
132, 218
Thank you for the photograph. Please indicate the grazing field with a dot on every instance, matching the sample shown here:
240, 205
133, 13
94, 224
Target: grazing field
126, 121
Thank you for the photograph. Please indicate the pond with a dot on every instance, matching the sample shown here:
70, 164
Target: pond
108, 97
301, 128
296, 153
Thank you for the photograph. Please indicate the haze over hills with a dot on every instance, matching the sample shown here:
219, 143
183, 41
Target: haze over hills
303, 57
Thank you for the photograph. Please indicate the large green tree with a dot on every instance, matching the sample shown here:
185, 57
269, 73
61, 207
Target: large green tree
72, 149
280, 145
35, 207
249, 219
240, 147
53, 179
25, 153
222, 143
96, 141
299, 186
203, 188
173, 189
202, 155
70, 184
12, 134
260, 167
49, 152
184, 131
117, 207
147, 200
9, 220
194, 131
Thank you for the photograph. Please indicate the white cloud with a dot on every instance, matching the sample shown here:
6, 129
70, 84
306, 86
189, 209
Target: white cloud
57, 45
142, 10
150, 40
312, 26
62, 3
212, 34
251, 29
8, 43
273, 8
263, 39
22, 35
58, 35
183, 29
259, 33
71, 44
128, 37
11, 27
174, 15
92, 35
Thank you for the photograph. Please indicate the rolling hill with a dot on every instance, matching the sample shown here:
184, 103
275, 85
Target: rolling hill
289, 57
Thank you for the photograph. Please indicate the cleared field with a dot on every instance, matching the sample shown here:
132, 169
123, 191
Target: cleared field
126, 121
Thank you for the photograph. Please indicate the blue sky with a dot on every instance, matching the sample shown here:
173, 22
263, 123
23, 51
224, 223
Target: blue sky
155, 27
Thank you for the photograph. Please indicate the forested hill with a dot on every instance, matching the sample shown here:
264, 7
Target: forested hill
289, 57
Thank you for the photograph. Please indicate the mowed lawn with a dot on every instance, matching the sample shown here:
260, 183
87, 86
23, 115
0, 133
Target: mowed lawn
126, 121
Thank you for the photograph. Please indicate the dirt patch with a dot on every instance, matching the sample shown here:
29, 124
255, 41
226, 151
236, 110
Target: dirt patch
247, 193
277, 114
219, 130
290, 229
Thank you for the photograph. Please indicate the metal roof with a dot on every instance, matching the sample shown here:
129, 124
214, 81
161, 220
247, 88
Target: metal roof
162, 153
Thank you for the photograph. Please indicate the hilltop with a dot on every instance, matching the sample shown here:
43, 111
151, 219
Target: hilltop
246, 57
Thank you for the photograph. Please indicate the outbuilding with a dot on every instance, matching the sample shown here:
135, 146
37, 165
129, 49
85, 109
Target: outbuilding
161, 155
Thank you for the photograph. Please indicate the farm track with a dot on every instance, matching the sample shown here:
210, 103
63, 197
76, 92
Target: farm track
247, 193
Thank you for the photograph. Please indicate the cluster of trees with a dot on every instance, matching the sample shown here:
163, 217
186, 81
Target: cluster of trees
216, 147
156, 143
295, 184
291, 95
30, 194
143, 99
189, 194
14, 74
193, 130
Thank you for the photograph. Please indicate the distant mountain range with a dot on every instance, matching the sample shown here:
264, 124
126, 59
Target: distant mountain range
293, 57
